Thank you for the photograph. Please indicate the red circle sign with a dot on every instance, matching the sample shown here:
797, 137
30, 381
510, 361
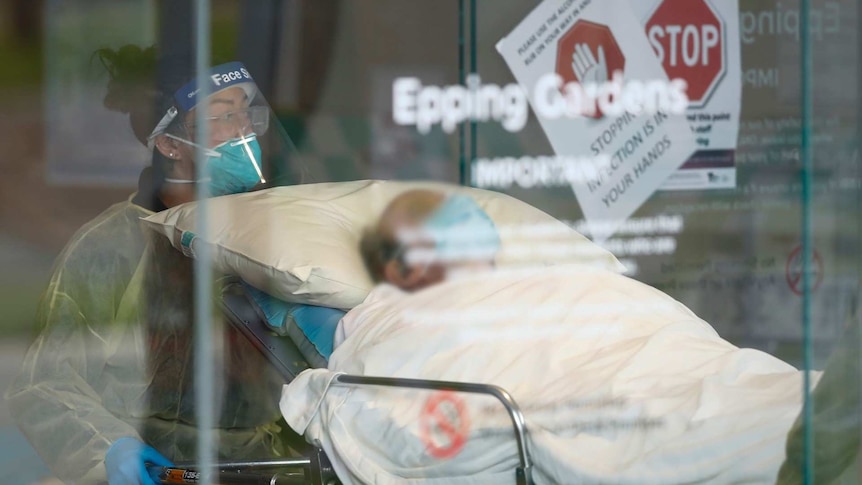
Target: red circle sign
589, 54
688, 38
793, 270
444, 424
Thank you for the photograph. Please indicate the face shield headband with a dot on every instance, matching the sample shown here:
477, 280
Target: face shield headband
221, 77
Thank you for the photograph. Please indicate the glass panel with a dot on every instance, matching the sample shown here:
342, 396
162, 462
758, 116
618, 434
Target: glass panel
337, 63
769, 136
710, 146
732, 251
110, 360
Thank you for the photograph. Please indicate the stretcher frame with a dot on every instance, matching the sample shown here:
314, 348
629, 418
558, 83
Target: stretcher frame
284, 355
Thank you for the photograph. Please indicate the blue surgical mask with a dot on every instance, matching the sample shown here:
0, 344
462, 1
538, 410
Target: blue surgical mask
233, 167
236, 168
461, 232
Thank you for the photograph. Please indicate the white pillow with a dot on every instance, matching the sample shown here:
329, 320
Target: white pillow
301, 243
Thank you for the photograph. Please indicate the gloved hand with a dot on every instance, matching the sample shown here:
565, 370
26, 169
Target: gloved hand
126, 462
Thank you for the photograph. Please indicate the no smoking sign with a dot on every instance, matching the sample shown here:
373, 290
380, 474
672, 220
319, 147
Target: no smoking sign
444, 424
793, 270
688, 38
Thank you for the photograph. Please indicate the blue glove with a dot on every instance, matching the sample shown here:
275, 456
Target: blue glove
126, 462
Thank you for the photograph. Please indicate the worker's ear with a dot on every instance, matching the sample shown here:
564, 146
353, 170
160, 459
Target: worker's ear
167, 146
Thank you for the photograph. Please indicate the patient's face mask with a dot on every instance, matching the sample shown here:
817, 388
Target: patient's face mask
233, 166
458, 232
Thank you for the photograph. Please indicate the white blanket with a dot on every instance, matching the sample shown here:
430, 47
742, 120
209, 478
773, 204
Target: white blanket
618, 382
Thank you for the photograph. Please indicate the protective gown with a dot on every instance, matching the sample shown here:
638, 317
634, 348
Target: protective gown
114, 358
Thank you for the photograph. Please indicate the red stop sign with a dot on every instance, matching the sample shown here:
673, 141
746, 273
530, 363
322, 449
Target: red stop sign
588, 53
688, 38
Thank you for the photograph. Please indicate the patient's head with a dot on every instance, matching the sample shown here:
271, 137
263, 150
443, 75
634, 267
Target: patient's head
423, 235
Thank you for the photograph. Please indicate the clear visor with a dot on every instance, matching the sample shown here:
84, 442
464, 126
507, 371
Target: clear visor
236, 113
233, 112
229, 125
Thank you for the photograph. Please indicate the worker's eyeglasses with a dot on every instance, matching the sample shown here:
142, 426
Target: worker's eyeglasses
240, 122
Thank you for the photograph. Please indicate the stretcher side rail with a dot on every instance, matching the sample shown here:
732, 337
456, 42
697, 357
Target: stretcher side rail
523, 474
317, 467
306, 470
286, 358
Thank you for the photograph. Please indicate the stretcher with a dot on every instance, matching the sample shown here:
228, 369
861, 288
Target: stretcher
314, 467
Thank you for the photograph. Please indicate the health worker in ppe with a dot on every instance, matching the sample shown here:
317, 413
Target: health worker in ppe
107, 386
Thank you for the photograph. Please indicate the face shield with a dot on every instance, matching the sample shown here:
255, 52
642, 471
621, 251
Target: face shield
245, 147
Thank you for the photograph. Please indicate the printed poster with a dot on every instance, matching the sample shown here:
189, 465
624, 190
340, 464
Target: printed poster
599, 47
698, 40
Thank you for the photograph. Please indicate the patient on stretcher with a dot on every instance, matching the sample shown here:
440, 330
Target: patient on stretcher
618, 382
425, 236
